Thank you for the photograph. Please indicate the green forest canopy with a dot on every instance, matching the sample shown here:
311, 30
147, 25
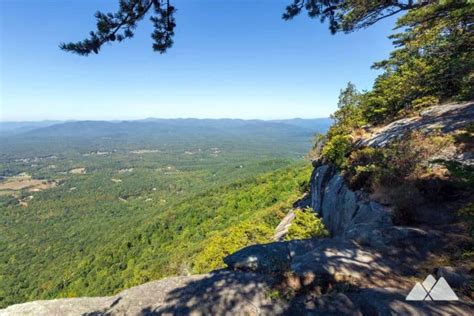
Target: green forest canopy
155, 198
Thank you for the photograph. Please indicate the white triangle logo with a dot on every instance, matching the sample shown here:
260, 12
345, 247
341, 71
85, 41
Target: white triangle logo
432, 290
443, 292
417, 293
429, 282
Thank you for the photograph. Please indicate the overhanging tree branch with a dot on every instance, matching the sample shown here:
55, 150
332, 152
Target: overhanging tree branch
342, 15
350, 15
121, 25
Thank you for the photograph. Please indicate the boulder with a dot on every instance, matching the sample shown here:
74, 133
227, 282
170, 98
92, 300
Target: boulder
270, 258
338, 259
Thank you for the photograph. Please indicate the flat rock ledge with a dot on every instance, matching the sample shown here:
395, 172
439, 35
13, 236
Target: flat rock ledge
377, 287
445, 117
314, 261
224, 292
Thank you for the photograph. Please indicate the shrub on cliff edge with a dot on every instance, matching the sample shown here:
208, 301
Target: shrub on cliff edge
306, 224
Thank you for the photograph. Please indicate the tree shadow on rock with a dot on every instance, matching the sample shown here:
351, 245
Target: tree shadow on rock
218, 293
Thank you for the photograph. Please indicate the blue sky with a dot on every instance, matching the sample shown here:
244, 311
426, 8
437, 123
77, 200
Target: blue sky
233, 58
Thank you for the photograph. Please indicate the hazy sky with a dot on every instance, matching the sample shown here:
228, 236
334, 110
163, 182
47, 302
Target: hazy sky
233, 58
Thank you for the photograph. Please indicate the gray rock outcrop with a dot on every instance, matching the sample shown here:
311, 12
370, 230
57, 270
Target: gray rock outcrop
236, 293
343, 211
445, 117
352, 214
282, 229
208, 294
327, 258
271, 258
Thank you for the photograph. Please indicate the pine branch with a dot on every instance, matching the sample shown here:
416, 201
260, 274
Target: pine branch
118, 26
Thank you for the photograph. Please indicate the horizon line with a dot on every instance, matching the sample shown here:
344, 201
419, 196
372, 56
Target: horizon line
158, 118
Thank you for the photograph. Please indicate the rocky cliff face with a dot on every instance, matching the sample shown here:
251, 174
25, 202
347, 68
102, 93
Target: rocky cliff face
343, 211
366, 248
352, 214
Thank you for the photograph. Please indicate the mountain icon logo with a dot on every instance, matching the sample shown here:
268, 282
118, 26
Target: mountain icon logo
432, 290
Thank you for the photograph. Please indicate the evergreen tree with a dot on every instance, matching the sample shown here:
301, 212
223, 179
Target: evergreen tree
343, 15
433, 61
348, 113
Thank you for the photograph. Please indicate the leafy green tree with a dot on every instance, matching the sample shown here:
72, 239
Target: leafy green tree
433, 61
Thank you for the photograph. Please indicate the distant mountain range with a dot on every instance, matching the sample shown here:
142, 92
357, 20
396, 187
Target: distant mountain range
159, 126
22, 127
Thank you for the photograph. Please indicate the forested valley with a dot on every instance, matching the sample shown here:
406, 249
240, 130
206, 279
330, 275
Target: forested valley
90, 208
